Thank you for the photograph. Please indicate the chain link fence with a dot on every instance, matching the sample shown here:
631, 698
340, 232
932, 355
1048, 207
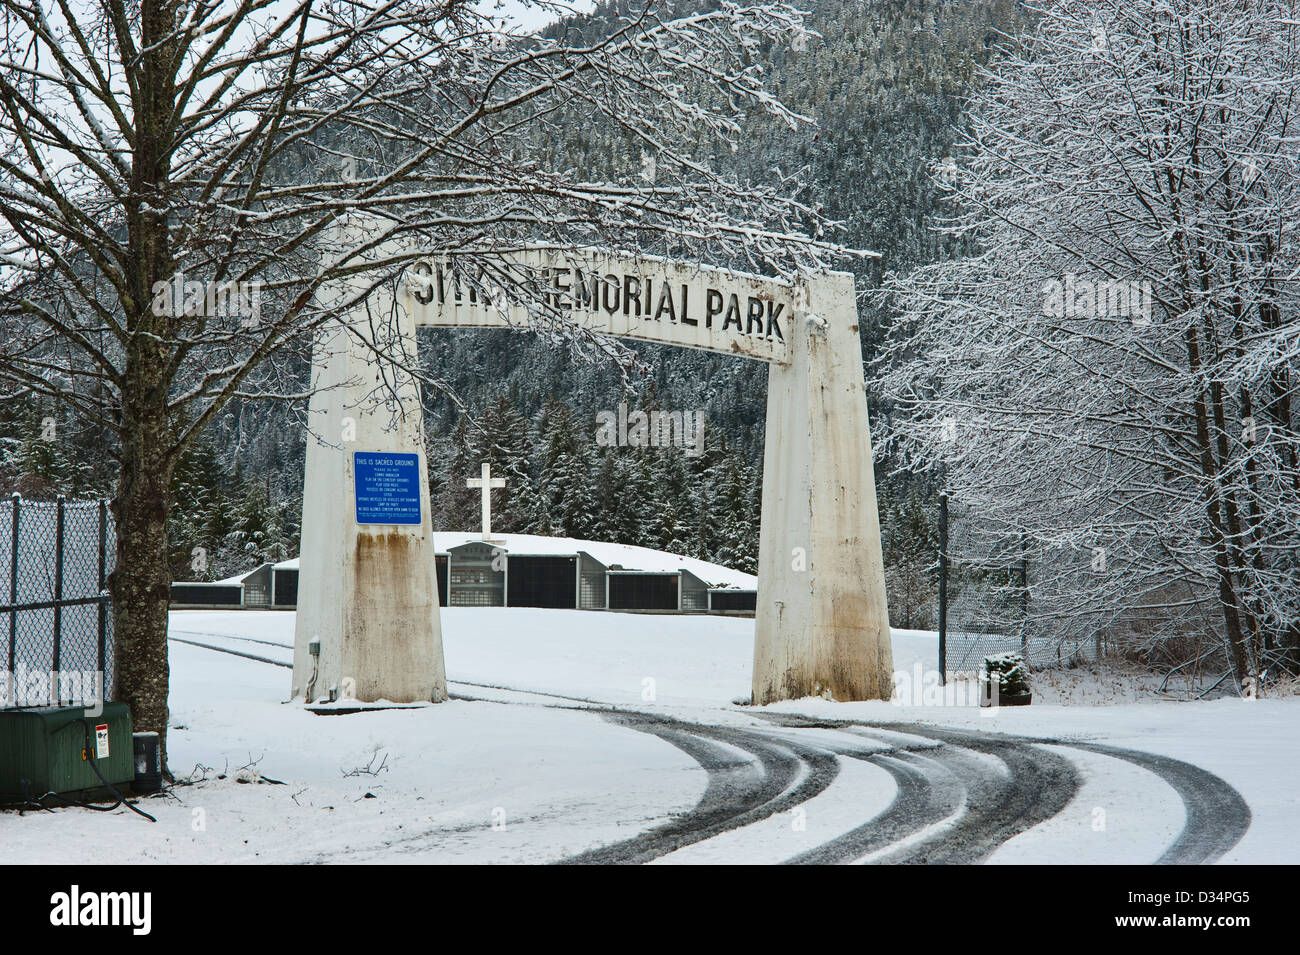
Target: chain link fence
56, 625
986, 601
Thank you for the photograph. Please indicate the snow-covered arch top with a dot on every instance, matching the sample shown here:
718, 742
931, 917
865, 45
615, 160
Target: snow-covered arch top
631, 296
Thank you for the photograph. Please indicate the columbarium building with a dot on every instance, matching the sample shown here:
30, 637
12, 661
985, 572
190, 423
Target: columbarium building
522, 570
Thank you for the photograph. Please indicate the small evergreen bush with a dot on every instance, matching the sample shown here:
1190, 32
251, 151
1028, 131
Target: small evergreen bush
1009, 672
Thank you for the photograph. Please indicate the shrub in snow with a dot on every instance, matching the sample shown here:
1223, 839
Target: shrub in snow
1010, 673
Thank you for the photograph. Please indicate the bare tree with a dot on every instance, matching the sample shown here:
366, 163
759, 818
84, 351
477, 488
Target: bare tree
171, 168
1111, 370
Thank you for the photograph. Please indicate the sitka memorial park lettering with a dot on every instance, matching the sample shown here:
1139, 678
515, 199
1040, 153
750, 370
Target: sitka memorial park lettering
630, 296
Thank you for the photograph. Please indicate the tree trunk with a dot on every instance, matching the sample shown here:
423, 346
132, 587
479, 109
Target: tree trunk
1277, 406
141, 581
1234, 639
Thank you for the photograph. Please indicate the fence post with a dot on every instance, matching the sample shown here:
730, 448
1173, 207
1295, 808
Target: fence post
103, 609
58, 586
943, 589
14, 503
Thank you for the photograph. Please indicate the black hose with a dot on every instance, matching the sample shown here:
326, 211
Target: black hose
90, 757
29, 802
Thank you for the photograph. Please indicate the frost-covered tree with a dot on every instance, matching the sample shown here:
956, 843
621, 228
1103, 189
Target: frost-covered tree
502, 441
1110, 373
563, 474
458, 507
675, 518
163, 159
607, 492
911, 546
736, 500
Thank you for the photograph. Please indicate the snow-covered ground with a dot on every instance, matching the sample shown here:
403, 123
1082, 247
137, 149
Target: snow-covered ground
533, 773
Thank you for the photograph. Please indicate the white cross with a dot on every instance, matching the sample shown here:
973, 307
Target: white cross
487, 482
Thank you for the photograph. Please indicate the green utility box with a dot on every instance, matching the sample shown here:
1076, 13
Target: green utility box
42, 750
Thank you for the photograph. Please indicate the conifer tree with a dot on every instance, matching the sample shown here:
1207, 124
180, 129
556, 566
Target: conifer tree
458, 505
736, 512
44, 470
607, 490
675, 504
503, 442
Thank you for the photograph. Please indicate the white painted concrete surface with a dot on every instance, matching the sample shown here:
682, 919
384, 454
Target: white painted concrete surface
367, 591
821, 622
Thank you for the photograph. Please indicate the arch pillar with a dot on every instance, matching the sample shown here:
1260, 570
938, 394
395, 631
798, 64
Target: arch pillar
367, 591
822, 622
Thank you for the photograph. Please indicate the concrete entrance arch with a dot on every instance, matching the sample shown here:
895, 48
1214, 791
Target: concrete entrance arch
367, 611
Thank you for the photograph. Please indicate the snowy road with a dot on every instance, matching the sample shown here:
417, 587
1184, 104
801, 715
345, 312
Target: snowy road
959, 796
582, 744
878, 792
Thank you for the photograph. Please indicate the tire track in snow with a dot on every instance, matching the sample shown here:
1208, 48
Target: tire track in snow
984, 803
780, 776
233, 653
740, 790
1217, 815
1040, 785
1036, 786
230, 636
972, 809
924, 798
281, 663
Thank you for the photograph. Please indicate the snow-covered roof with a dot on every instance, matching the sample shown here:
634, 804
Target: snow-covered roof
226, 582
282, 565
626, 555
256, 570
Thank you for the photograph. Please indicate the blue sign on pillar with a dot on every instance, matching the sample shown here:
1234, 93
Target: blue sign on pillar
388, 487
